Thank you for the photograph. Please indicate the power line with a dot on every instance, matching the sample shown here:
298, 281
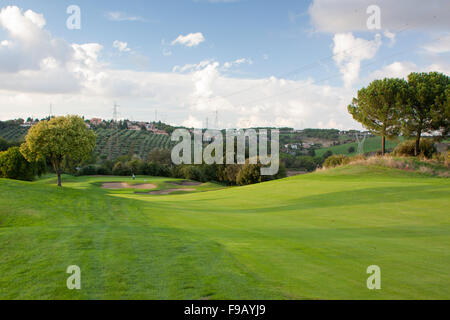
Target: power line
308, 66
333, 76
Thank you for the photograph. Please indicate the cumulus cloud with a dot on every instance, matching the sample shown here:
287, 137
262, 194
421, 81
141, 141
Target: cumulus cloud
401, 69
349, 51
27, 35
189, 40
351, 15
121, 46
398, 69
74, 79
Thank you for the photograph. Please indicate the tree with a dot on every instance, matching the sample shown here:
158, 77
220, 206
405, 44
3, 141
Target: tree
13, 165
162, 156
249, 174
427, 109
57, 140
378, 107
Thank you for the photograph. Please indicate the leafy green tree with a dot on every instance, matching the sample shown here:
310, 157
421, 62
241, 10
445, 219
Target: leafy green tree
13, 165
428, 108
57, 140
378, 107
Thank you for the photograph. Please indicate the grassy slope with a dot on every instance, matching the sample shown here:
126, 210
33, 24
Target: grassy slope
370, 145
309, 237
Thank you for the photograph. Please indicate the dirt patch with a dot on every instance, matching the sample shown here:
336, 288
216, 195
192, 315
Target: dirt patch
186, 183
167, 191
124, 185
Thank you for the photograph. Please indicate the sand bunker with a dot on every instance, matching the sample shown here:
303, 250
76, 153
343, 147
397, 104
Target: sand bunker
167, 191
186, 183
124, 185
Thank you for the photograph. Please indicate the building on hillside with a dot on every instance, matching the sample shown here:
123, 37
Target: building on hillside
134, 127
95, 121
161, 132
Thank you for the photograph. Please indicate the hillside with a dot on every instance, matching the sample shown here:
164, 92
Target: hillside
13, 133
371, 144
111, 143
304, 237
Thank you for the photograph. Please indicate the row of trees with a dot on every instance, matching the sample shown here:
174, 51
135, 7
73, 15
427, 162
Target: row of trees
413, 107
158, 163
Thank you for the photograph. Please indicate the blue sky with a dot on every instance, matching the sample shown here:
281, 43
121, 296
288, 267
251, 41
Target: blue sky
247, 59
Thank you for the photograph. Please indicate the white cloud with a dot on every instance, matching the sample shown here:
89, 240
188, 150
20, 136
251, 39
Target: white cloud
349, 51
119, 16
228, 65
121, 46
190, 40
28, 42
390, 36
74, 79
401, 69
397, 69
192, 122
350, 15
442, 45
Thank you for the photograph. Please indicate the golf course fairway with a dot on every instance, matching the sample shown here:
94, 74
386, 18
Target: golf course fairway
304, 237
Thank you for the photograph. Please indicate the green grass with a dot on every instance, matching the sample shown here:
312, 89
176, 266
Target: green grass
304, 237
370, 145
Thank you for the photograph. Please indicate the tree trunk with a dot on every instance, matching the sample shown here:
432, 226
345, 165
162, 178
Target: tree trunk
55, 164
417, 145
59, 178
383, 145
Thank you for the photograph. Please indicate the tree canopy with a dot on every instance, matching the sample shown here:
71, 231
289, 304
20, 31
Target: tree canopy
59, 140
378, 107
427, 109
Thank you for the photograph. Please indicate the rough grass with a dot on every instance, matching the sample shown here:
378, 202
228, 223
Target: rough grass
370, 145
304, 237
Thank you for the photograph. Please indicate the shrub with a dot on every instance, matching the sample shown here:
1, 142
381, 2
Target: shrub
327, 154
337, 160
121, 169
406, 148
305, 162
351, 149
104, 170
13, 165
249, 174
89, 170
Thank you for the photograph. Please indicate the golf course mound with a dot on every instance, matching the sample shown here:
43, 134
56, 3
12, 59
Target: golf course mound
311, 236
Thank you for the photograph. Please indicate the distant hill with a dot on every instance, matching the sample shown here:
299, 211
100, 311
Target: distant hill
111, 143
